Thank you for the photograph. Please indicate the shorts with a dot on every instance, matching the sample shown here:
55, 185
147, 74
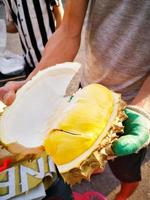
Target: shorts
59, 190
127, 169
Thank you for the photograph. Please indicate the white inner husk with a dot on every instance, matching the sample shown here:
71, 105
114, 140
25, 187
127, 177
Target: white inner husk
28, 120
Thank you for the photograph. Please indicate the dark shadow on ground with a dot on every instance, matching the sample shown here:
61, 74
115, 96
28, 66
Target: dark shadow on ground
147, 157
104, 183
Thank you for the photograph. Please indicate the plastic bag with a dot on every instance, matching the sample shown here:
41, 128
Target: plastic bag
12, 67
10, 63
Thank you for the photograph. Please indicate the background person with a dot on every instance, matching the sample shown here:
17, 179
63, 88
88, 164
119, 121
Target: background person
36, 21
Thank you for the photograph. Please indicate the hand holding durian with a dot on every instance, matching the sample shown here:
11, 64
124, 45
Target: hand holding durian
136, 132
79, 133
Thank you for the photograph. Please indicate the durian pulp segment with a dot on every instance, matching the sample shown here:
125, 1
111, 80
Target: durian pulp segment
76, 133
29, 118
76, 162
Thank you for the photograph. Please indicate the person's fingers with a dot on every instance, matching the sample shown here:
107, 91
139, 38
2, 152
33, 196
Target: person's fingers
9, 97
14, 85
7, 92
3, 92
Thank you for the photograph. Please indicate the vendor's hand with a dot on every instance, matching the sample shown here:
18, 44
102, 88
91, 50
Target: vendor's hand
8, 91
136, 133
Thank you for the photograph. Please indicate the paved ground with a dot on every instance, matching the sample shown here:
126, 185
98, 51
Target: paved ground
106, 182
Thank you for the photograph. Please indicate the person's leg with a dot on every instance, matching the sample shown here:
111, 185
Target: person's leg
127, 169
127, 189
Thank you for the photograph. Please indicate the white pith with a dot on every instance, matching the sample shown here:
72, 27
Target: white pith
24, 121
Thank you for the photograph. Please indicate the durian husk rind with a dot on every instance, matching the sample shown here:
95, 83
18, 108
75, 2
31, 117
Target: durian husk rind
17, 152
100, 155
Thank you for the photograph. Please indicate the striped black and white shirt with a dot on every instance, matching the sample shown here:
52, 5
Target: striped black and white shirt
35, 24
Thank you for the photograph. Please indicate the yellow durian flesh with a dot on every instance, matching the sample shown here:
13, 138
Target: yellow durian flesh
81, 124
85, 130
67, 146
91, 110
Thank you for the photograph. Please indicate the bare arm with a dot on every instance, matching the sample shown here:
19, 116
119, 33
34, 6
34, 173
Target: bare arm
58, 12
11, 28
143, 98
63, 45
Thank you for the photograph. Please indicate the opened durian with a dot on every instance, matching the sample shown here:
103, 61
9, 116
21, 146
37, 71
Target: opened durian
24, 124
77, 131
85, 129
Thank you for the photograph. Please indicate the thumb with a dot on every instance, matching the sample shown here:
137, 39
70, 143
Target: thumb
9, 97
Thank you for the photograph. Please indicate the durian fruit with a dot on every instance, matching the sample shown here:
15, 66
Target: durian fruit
84, 131
24, 124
